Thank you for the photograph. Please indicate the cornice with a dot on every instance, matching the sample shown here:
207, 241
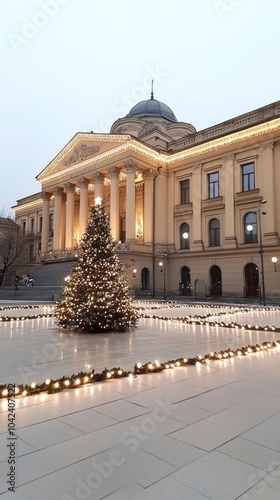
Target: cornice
130, 145
241, 122
228, 140
29, 204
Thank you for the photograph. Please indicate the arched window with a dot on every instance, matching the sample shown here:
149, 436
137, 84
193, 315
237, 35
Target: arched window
250, 228
185, 284
216, 281
145, 279
214, 233
184, 236
251, 280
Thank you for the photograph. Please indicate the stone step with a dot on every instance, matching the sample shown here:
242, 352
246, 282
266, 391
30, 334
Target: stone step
35, 293
53, 274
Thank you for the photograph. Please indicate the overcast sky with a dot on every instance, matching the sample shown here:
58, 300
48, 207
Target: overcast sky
79, 65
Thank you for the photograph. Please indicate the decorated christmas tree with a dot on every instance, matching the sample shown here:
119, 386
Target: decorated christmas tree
97, 296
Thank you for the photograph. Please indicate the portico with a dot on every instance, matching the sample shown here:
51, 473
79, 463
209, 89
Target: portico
69, 197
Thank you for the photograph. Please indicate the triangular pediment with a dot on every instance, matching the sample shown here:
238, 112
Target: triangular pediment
82, 149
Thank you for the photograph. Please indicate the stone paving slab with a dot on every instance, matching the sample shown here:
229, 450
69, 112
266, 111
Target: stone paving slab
197, 432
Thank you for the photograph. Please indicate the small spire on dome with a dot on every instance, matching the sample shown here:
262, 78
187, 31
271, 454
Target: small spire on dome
152, 90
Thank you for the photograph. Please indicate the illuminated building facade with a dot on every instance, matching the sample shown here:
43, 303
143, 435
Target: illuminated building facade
185, 206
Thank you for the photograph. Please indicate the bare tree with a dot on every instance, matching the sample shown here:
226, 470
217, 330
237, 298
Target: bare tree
13, 248
7, 213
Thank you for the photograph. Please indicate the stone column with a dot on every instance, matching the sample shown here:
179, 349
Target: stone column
170, 209
28, 224
36, 223
70, 188
227, 189
149, 176
114, 203
269, 194
58, 192
130, 167
63, 221
160, 209
98, 180
83, 215
196, 197
46, 222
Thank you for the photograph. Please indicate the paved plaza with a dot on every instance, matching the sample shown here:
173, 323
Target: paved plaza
208, 431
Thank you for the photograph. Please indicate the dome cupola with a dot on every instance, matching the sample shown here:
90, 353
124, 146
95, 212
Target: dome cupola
153, 108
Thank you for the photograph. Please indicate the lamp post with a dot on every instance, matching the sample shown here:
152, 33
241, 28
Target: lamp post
250, 228
263, 202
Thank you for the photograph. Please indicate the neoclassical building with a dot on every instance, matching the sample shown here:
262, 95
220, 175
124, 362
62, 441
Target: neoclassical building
186, 207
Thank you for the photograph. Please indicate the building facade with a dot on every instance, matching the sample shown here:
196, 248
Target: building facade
192, 213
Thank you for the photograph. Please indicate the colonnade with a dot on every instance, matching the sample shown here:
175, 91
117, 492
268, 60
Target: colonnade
63, 208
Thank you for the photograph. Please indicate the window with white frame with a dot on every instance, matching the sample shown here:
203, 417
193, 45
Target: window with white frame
213, 185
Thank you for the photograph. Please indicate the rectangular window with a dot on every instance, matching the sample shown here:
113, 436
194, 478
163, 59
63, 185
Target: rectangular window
214, 227
248, 177
213, 185
40, 224
185, 191
32, 225
23, 226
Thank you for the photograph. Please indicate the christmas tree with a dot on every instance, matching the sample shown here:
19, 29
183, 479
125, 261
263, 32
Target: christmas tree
97, 296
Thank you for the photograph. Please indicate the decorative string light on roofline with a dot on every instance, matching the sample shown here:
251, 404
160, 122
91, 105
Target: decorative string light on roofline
132, 145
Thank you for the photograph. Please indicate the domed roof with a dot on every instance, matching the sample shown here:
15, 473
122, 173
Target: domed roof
153, 108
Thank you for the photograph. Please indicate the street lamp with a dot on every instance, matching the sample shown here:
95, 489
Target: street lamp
162, 270
274, 260
185, 237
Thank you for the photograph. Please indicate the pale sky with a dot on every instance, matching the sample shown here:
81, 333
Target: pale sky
78, 65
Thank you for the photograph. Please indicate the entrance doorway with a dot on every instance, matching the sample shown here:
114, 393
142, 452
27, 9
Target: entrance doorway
216, 281
145, 279
251, 280
185, 284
